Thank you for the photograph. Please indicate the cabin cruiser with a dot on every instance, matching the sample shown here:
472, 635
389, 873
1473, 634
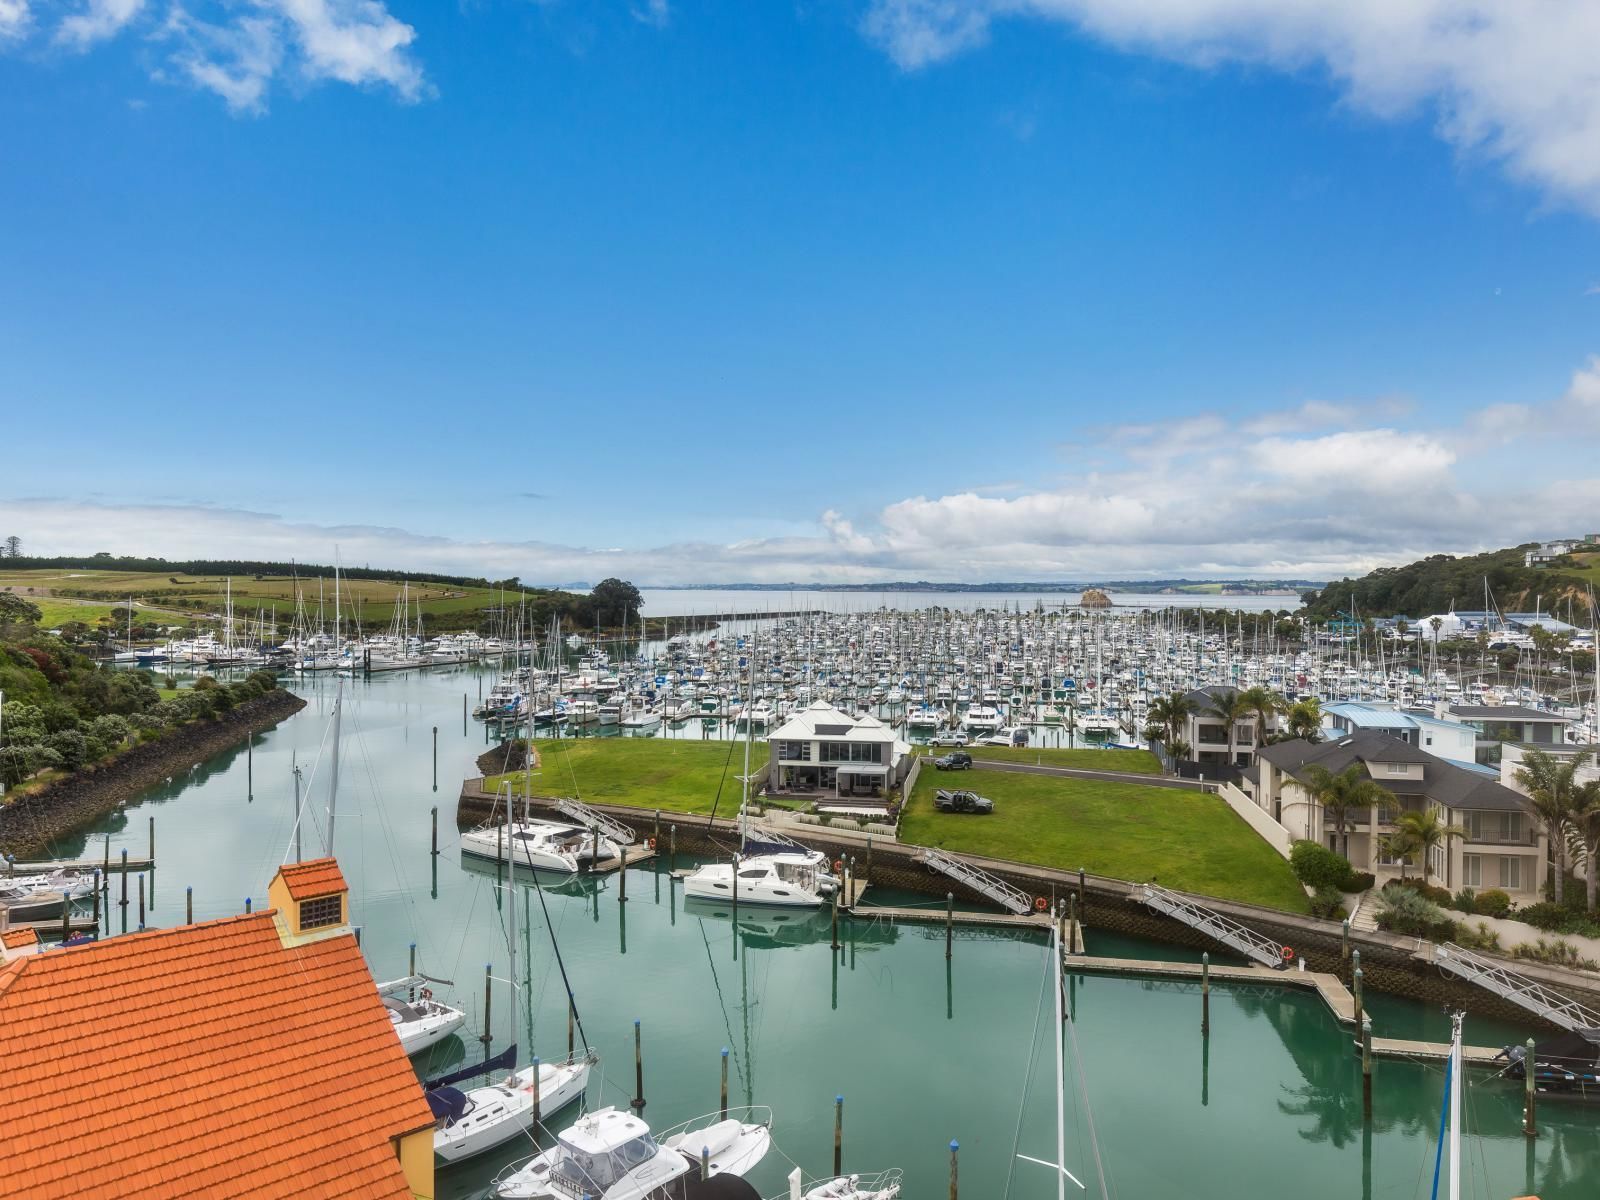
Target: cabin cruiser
540, 845
611, 1155
419, 1020
478, 1119
982, 718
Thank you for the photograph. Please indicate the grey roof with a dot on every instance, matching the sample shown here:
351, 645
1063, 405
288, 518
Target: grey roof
1200, 698
1450, 785
1505, 712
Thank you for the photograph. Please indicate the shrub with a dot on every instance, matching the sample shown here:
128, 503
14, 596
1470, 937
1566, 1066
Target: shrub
1560, 953
1492, 902
71, 745
1558, 918
1316, 866
1480, 938
1464, 900
1362, 881
1405, 910
1438, 895
1327, 902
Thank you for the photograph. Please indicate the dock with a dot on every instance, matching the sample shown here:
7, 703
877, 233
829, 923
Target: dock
635, 856
83, 866
55, 925
937, 916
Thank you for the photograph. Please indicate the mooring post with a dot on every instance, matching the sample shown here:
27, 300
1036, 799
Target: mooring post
1366, 1068
1080, 885
66, 914
97, 878
464, 715
152, 841
488, 1012
436, 754
572, 1011
107, 862
1355, 990
435, 851
247, 905
735, 905
638, 1069
672, 848
1529, 1128
723, 1109
1205, 994
955, 1149
124, 903
838, 1135
869, 860
141, 902
705, 1151
594, 863
834, 924
655, 833
1344, 942
537, 1116
188, 905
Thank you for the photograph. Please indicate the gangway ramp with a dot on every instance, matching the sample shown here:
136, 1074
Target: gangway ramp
1519, 989
619, 833
990, 887
1255, 946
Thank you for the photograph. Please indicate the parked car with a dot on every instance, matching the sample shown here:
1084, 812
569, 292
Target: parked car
956, 760
957, 738
962, 802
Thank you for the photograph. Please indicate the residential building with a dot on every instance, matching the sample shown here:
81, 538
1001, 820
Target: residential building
1207, 734
1497, 724
1547, 552
1450, 740
822, 751
1502, 847
247, 1056
1512, 756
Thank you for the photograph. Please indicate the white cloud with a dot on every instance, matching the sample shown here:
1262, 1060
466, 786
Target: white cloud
1516, 82
96, 21
353, 41
14, 19
237, 61
1370, 460
657, 13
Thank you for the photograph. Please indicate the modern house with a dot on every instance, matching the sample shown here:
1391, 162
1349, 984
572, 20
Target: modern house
823, 752
1207, 734
1449, 740
1497, 724
1512, 756
1503, 846
247, 1056
1548, 552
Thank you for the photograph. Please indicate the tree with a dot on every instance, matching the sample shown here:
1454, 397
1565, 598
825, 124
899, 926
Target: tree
1170, 712
1229, 706
1265, 704
615, 602
1551, 785
14, 610
1586, 824
1304, 719
1418, 832
13, 547
1338, 795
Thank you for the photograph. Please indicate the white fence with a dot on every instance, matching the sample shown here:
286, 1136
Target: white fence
1257, 818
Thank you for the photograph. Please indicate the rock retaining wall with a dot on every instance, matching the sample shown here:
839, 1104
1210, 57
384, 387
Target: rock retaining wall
30, 825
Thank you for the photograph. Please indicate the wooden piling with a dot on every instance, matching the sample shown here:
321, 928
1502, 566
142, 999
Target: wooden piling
97, 885
464, 715
436, 754
622, 877
838, 1135
1355, 990
735, 906
537, 1115
1205, 994
637, 1103
188, 905
249, 770
955, 1149
949, 924
672, 848
1530, 1091
488, 1010
1080, 887
124, 902
833, 942
152, 842
1366, 1068
722, 1111
1344, 942
66, 914
435, 851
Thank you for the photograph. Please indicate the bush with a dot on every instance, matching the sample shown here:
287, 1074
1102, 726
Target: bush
1405, 910
1316, 866
1464, 900
1328, 902
1492, 902
1558, 953
1481, 938
71, 745
1558, 918
1362, 881
1437, 895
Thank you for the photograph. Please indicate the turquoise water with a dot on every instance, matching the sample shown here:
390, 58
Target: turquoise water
923, 1051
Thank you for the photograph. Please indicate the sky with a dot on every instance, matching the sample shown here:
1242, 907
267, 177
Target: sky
819, 291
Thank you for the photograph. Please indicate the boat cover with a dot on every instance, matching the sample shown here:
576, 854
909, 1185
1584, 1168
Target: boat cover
1568, 1051
448, 1103
506, 1060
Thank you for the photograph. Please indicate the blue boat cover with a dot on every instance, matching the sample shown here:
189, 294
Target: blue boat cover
506, 1060
447, 1102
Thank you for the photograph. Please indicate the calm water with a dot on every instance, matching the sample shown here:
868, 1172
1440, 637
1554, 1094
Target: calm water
684, 602
922, 1052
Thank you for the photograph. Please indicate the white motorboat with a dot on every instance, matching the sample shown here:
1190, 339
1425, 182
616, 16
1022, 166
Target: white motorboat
611, 1155
641, 719
539, 845
982, 718
883, 1186
781, 880
481, 1118
419, 1020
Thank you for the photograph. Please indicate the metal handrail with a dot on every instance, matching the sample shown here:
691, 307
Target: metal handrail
1229, 932
613, 829
1519, 989
990, 886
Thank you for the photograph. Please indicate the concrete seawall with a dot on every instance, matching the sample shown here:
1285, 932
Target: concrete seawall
1390, 963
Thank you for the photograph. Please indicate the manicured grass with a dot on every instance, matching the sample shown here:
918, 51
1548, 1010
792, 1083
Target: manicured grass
1137, 762
1186, 840
649, 773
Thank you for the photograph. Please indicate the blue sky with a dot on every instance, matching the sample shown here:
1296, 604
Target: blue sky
849, 290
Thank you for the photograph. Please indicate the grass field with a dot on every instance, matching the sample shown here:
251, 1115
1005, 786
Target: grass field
1136, 762
648, 773
1186, 840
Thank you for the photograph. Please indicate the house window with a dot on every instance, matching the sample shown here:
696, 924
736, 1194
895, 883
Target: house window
322, 912
1511, 872
1472, 822
1472, 870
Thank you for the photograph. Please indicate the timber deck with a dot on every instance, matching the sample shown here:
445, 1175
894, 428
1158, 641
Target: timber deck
83, 866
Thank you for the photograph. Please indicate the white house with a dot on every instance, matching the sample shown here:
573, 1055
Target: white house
821, 751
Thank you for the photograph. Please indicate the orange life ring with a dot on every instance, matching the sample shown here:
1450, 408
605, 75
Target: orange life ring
838, 865
1288, 954
1040, 904
652, 843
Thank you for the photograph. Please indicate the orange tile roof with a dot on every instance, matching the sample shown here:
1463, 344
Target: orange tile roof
206, 1060
312, 878
15, 939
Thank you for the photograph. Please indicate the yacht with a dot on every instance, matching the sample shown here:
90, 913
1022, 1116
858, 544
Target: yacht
789, 880
479, 1119
539, 845
982, 718
419, 1020
611, 1155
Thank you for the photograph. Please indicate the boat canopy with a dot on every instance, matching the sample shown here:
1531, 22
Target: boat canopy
449, 1103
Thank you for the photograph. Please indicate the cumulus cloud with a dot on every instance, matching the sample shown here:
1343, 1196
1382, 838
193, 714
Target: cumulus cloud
1515, 82
96, 21
15, 18
235, 61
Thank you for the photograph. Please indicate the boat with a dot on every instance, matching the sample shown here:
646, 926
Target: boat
883, 1186
611, 1155
419, 1020
478, 1119
780, 880
1565, 1065
539, 845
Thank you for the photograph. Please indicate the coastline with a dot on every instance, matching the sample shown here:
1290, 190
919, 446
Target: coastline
30, 825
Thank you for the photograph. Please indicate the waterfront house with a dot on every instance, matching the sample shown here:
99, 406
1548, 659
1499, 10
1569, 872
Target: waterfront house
820, 751
1497, 724
1503, 846
1207, 734
247, 1056
1512, 756
1450, 740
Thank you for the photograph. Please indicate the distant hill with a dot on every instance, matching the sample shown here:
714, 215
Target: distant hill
1442, 581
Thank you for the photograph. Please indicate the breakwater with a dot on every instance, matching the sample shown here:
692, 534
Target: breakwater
30, 824
1391, 963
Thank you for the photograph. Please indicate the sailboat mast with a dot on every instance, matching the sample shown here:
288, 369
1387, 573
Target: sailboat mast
1060, 1072
333, 777
1455, 1106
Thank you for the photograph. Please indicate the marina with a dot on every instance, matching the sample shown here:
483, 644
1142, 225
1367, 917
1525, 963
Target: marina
887, 1020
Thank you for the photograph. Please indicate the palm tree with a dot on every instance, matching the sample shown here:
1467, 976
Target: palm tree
1338, 795
1228, 705
1418, 832
1170, 712
1586, 824
1304, 719
1264, 704
1551, 785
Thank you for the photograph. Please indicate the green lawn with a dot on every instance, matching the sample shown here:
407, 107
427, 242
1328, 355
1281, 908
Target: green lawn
1186, 840
672, 775
1138, 762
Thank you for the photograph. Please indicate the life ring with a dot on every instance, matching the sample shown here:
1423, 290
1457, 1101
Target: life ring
1040, 904
1288, 954
652, 843
838, 866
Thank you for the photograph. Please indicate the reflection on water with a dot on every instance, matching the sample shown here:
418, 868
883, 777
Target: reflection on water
924, 1049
